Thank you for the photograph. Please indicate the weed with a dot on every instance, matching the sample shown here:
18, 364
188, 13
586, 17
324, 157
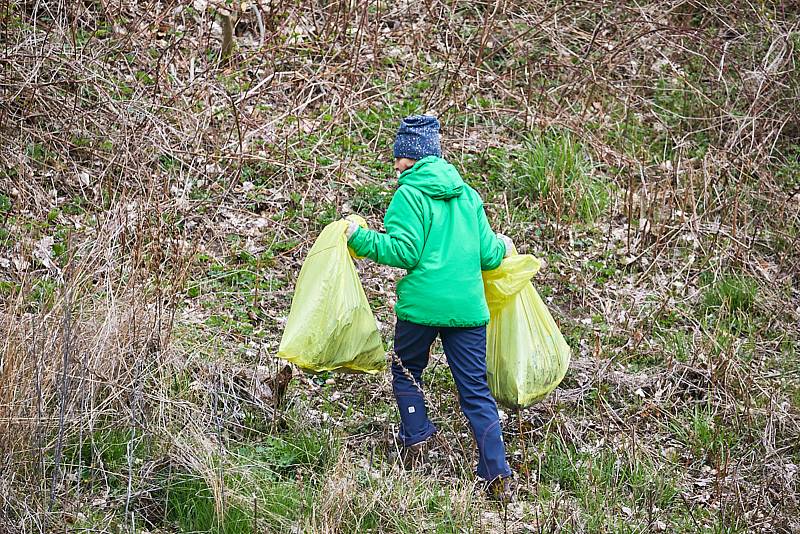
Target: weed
692, 116
76, 206
42, 293
679, 344
144, 77
676, 102
260, 174
5, 238
291, 452
624, 480
269, 474
493, 165
371, 199
602, 271
789, 170
39, 153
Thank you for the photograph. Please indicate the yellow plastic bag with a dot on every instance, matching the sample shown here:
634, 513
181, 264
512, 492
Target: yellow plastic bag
331, 325
526, 355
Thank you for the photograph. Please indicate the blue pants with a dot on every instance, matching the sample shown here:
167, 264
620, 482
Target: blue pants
465, 349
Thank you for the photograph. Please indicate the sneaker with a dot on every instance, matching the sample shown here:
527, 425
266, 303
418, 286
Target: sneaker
502, 489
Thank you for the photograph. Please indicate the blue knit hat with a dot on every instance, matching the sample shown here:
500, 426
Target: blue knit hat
418, 137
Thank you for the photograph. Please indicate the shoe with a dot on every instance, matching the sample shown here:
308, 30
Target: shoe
414, 456
417, 455
502, 489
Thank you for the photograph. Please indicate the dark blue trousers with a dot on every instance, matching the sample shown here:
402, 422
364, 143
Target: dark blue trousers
465, 349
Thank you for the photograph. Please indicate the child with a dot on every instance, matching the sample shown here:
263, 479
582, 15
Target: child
437, 230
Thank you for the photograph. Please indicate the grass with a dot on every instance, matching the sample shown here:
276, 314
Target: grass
661, 194
617, 491
191, 507
679, 344
299, 478
553, 169
731, 293
732, 301
370, 199
289, 452
706, 435
236, 285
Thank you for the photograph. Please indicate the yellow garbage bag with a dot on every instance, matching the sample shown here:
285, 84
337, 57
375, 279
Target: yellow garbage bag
331, 325
526, 355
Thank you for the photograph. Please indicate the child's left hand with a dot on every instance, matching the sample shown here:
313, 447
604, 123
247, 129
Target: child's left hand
351, 229
355, 222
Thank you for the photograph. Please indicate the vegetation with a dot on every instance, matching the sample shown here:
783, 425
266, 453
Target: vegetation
158, 196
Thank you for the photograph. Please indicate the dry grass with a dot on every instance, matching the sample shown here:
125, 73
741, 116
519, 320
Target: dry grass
156, 203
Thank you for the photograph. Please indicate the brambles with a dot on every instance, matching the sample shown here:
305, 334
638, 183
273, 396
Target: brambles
156, 203
371, 199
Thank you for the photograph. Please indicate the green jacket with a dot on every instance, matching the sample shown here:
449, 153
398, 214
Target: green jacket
437, 230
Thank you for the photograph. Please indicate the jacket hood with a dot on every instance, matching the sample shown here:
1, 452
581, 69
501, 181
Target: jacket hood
434, 177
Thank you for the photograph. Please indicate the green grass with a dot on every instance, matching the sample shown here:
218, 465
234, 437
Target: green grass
268, 483
191, 507
493, 165
794, 396
39, 153
289, 452
789, 169
6, 239
733, 293
678, 106
706, 434
604, 484
5, 204
679, 344
316, 463
554, 170
42, 293
100, 458
296, 480
629, 488
231, 287
602, 271
732, 301
260, 174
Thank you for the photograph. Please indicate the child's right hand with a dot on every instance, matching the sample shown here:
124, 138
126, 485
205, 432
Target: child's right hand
508, 243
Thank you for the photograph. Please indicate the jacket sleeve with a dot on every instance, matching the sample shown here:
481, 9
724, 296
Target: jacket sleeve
401, 245
492, 248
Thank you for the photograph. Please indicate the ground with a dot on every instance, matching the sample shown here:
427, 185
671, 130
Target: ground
157, 200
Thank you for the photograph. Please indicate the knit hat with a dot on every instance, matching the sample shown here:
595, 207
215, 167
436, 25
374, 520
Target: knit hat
417, 137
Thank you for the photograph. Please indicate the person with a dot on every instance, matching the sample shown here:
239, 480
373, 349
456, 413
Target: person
436, 229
